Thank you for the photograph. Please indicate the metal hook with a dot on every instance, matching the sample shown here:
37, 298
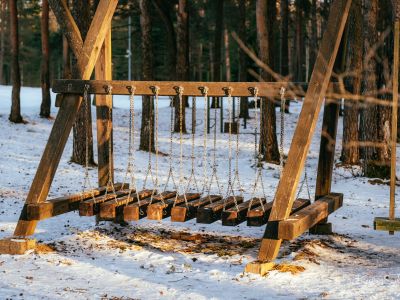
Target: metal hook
108, 89
253, 91
131, 89
204, 90
155, 89
228, 91
282, 91
179, 90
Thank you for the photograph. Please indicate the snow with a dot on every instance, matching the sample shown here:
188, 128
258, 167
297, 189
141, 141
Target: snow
140, 261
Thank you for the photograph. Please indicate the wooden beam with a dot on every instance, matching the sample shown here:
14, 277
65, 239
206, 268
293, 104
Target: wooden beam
162, 209
16, 246
300, 222
190, 88
62, 205
259, 267
108, 210
95, 37
387, 224
68, 25
307, 121
212, 212
60, 132
234, 216
183, 213
103, 70
258, 216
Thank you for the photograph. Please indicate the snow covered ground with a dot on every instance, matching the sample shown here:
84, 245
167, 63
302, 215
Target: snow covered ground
141, 261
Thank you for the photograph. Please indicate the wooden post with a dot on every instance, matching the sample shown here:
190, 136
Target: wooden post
66, 115
305, 129
394, 118
103, 71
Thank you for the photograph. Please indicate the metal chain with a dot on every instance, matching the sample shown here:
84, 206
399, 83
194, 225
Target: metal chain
192, 178
230, 189
87, 182
149, 164
257, 157
181, 190
282, 136
205, 164
171, 170
214, 166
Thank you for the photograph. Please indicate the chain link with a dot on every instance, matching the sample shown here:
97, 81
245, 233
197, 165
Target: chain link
205, 161
282, 136
192, 179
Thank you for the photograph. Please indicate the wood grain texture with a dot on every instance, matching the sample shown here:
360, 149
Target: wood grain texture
212, 212
300, 222
181, 213
307, 121
16, 246
387, 224
162, 209
61, 205
234, 216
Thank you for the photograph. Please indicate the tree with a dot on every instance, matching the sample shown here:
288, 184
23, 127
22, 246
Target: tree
350, 150
242, 31
45, 74
218, 36
266, 15
147, 129
15, 115
3, 27
82, 15
285, 43
182, 62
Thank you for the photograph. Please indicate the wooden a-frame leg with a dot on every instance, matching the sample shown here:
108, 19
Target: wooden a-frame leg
87, 58
287, 186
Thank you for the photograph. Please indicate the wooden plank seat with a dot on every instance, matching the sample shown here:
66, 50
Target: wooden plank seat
387, 224
258, 217
212, 212
309, 216
62, 205
234, 216
91, 207
162, 209
111, 208
183, 213
137, 211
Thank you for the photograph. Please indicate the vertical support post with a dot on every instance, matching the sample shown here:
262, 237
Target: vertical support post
394, 119
103, 71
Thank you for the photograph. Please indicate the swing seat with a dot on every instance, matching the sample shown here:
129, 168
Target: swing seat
386, 224
258, 216
183, 213
213, 211
111, 208
234, 216
162, 209
91, 207
62, 205
138, 210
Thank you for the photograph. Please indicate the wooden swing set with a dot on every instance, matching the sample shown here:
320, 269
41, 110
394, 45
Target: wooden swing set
285, 217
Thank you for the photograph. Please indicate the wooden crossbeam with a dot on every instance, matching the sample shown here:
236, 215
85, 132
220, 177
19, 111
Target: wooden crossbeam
138, 210
183, 213
259, 216
190, 88
304, 219
16, 246
212, 212
65, 118
91, 207
108, 210
285, 194
234, 216
162, 209
62, 205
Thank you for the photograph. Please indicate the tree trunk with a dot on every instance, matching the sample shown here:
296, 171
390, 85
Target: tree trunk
45, 76
314, 37
147, 129
228, 75
15, 115
67, 74
242, 31
285, 43
266, 12
3, 27
182, 66
82, 16
164, 12
350, 150
369, 113
217, 53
